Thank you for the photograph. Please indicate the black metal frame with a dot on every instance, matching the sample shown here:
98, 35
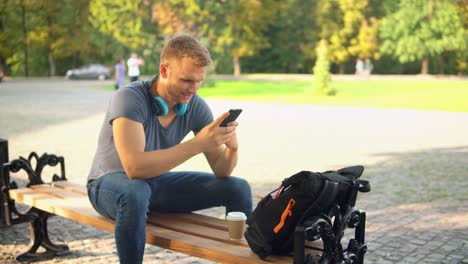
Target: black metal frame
37, 218
331, 233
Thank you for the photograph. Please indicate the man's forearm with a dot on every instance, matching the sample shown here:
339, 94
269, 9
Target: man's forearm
226, 163
143, 165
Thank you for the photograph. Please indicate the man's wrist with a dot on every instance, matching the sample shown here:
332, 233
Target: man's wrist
194, 146
236, 149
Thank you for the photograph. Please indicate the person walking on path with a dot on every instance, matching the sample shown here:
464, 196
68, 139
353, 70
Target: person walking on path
134, 67
368, 67
359, 67
119, 73
140, 143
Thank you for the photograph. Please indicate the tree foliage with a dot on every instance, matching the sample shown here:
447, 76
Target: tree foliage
48, 37
120, 19
343, 24
422, 28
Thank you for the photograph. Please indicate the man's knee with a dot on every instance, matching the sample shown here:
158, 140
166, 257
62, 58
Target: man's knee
239, 188
241, 185
136, 195
239, 195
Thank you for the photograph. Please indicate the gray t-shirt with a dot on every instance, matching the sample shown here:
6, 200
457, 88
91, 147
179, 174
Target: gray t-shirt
133, 102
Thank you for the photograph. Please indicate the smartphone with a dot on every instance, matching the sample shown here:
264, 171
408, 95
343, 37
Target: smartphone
233, 114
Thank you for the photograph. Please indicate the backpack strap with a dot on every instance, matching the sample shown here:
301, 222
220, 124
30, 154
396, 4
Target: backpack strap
295, 179
352, 172
364, 186
324, 200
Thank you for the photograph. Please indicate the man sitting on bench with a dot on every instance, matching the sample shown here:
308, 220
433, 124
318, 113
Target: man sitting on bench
140, 142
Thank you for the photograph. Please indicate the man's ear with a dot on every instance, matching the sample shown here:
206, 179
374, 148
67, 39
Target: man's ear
163, 70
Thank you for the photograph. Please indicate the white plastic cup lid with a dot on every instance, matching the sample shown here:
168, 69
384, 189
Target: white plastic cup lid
236, 216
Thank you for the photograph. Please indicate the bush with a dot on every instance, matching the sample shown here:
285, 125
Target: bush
322, 77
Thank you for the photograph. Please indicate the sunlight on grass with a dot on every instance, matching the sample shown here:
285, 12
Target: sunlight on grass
445, 95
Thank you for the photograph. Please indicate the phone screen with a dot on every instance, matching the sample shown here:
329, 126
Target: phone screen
233, 114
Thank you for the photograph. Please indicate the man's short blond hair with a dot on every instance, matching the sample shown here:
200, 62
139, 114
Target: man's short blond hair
182, 46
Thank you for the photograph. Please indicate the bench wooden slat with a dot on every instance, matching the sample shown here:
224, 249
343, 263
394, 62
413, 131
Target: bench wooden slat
213, 250
193, 234
202, 220
78, 208
71, 187
58, 192
165, 221
25, 195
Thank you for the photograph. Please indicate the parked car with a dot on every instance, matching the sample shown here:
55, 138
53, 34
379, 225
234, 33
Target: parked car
89, 71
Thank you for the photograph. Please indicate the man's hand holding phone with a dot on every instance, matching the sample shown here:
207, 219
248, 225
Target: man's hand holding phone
229, 121
214, 135
233, 114
221, 131
211, 139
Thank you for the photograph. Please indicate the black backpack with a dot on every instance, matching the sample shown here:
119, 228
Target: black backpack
306, 194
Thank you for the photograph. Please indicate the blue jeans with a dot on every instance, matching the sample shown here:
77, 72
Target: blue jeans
128, 201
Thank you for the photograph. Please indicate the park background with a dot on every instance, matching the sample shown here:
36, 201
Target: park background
49, 37
265, 53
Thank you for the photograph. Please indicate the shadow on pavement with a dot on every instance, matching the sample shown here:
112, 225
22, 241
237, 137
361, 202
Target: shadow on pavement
418, 176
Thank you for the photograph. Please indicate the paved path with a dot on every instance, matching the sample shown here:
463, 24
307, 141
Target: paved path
416, 161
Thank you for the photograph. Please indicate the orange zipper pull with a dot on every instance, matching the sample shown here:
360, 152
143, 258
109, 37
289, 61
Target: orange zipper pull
287, 212
280, 188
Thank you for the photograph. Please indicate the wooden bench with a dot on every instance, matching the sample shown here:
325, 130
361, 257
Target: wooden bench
193, 234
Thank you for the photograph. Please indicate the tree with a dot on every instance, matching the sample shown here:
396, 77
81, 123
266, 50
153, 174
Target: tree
365, 44
322, 78
340, 22
242, 31
13, 35
239, 33
461, 56
43, 26
420, 29
120, 19
80, 31
177, 16
51, 33
291, 36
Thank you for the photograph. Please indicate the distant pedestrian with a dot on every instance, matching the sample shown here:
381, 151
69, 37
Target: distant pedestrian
359, 67
134, 67
119, 73
368, 67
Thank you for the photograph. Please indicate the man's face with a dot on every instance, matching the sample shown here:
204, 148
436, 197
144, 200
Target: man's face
184, 78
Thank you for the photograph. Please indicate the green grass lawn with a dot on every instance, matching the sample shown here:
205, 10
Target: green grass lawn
444, 95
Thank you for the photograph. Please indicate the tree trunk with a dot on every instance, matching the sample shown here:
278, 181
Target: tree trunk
237, 68
51, 64
425, 66
51, 39
25, 40
76, 59
342, 68
441, 64
2, 59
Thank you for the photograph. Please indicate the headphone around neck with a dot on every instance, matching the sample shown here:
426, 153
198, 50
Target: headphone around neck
159, 106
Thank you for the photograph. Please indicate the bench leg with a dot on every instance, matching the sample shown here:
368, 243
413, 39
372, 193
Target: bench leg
320, 227
357, 246
40, 237
314, 229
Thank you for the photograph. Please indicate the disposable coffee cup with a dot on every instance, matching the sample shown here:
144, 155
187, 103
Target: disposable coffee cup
236, 224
